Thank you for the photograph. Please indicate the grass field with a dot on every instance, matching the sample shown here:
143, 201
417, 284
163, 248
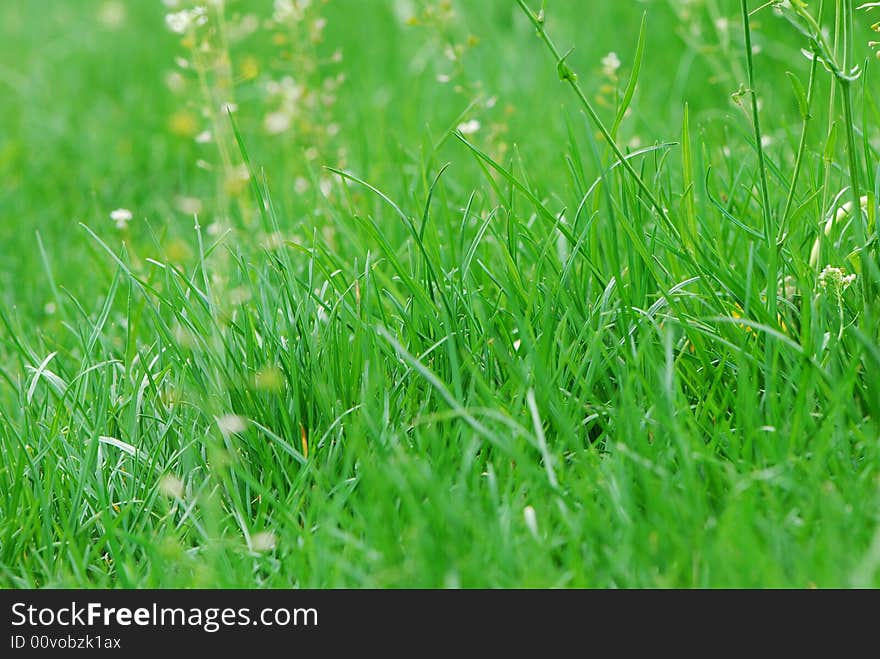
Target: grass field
395, 293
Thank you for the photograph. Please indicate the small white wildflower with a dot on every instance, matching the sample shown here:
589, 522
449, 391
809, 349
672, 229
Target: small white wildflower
469, 127
171, 486
181, 22
122, 216
404, 10
50, 308
290, 10
175, 81
290, 90
263, 541
178, 22
283, 10
443, 78
112, 14
231, 424
277, 122
188, 205
240, 173
610, 64
248, 24
835, 278
204, 137
531, 520
301, 185
312, 153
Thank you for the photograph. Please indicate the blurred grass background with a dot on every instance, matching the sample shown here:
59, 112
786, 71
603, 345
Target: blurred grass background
86, 113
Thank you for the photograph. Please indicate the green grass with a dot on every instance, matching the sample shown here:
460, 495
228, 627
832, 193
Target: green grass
591, 341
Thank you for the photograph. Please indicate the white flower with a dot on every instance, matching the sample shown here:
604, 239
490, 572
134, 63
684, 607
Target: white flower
469, 127
231, 424
188, 205
182, 21
204, 137
290, 9
263, 541
122, 216
277, 122
175, 81
112, 14
610, 64
835, 278
171, 486
178, 21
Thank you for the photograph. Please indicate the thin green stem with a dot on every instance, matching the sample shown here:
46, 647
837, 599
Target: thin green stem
769, 228
568, 76
802, 147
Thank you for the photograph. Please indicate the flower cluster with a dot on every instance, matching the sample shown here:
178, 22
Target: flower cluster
302, 94
185, 20
609, 68
835, 279
121, 216
290, 86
